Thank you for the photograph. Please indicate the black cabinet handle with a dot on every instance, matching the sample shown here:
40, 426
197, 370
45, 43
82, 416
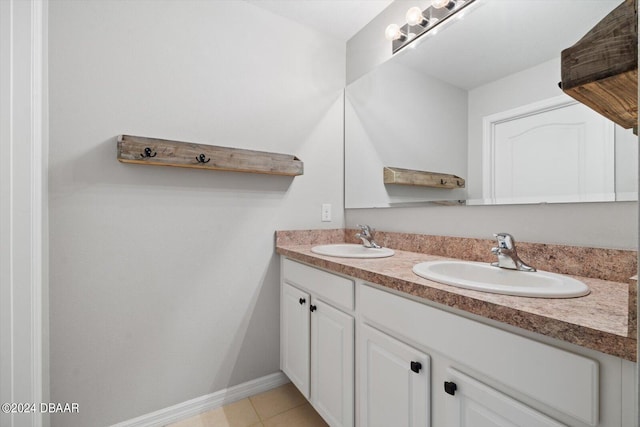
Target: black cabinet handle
302, 301
450, 388
416, 366
312, 308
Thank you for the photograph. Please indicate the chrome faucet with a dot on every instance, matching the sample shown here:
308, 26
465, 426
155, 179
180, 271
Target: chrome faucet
507, 254
366, 235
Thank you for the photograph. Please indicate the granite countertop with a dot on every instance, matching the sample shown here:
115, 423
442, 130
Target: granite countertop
598, 321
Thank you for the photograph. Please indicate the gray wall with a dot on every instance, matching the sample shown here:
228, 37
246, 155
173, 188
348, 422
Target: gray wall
368, 48
164, 281
610, 225
419, 134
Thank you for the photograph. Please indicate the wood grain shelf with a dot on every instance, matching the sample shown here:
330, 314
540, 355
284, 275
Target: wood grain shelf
161, 152
401, 176
601, 69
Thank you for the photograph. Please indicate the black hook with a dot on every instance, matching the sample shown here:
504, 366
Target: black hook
201, 159
443, 182
147, 153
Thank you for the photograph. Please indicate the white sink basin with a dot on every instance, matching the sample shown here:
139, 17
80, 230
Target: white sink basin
484, 277
346, 250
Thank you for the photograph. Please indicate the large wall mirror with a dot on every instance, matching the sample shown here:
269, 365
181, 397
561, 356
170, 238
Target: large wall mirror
480, 100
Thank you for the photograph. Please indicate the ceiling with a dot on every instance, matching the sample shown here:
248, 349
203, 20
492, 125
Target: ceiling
340, 19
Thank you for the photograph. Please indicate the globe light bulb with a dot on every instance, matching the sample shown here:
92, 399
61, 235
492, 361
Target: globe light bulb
393, 32
415, 17
439, 4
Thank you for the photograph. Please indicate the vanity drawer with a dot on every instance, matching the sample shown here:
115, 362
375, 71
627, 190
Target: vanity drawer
561, 380
330, 287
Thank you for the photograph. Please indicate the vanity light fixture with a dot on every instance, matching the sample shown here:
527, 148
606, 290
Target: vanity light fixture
419, 22
439, 4
415, 17
393, 32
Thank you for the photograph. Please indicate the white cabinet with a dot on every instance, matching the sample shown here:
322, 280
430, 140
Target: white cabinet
395, 382
332, 364
474, 404
559, 381
503, 376
294, 339
317, 340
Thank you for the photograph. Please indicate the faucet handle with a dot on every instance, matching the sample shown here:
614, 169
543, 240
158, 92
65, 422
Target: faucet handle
505, 240
366, 229
366, 235
507, 255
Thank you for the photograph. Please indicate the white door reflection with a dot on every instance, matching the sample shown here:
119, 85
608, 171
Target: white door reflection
554, 151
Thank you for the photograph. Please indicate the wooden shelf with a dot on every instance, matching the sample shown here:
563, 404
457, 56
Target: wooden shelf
161, 152
421, 178
601, 69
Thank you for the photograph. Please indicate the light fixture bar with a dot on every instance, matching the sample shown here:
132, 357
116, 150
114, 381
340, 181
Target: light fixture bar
434, 15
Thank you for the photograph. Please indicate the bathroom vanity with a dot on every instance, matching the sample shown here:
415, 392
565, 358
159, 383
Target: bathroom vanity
369, 343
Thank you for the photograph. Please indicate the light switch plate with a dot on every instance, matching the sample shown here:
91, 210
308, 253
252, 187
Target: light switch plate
326, 212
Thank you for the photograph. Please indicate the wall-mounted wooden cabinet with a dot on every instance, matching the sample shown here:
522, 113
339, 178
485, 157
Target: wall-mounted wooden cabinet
418, 178
163, 152
601, 70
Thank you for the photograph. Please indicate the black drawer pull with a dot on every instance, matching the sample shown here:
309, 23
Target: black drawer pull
312, 308
416, 366
302, 301
450, 388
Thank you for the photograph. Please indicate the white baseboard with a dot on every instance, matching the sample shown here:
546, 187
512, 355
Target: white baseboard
207, 402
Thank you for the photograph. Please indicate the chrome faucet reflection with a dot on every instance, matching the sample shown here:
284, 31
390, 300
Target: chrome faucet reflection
366, 235
507, 254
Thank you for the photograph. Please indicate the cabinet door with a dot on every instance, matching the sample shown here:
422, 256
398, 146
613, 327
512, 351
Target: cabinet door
294, 336
332, 364
474, 404
394, 382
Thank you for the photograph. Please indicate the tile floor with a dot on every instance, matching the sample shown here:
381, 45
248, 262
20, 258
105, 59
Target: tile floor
283, 406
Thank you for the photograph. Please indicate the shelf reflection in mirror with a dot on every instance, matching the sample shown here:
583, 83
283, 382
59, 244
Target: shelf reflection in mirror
477, 96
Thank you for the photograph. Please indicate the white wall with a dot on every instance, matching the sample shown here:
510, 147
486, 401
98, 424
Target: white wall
612, 225
164, 281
